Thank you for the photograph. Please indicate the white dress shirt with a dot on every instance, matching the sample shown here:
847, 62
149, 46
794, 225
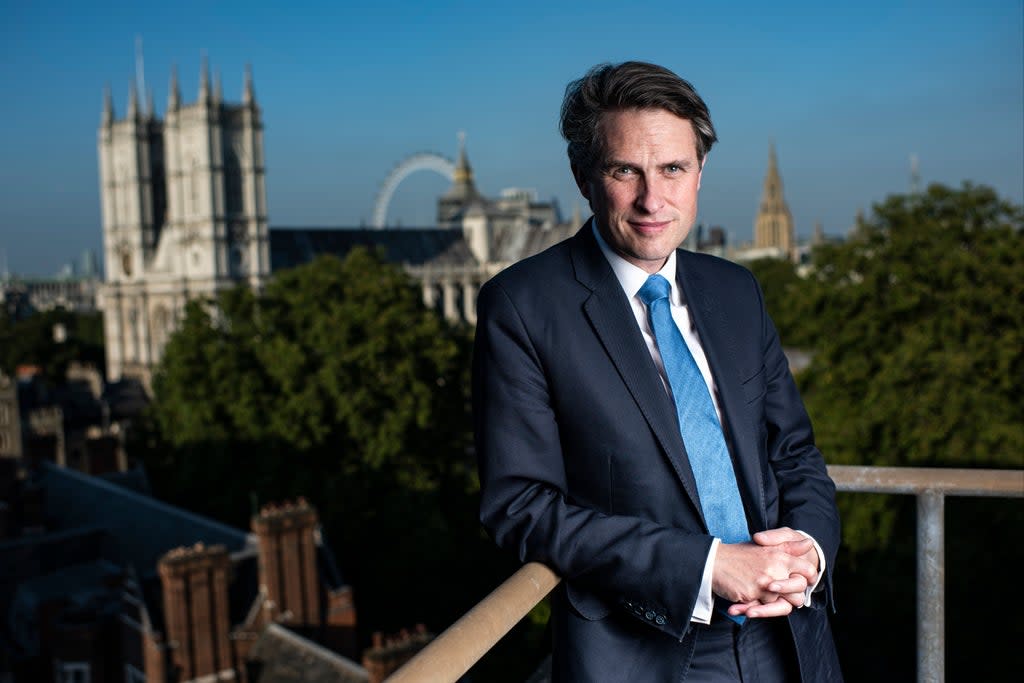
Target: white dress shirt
632, 278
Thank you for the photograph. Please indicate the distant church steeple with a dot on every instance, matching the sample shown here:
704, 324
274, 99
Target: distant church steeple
773, 227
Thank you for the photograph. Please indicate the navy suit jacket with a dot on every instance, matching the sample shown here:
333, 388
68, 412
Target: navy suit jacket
583, 467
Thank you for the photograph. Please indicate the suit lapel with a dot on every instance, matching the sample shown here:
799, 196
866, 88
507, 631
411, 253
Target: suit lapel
613, 321
718, 339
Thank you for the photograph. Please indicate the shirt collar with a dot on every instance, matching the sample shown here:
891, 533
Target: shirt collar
631, 277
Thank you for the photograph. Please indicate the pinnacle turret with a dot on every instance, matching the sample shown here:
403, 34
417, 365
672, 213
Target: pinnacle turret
248, 94
218, 93
174, 94
108, 106
204, 82
133, 102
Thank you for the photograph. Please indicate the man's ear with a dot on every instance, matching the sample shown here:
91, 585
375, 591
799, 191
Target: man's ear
582, 181
700, 173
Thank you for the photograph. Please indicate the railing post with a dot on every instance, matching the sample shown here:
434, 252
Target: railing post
931, 627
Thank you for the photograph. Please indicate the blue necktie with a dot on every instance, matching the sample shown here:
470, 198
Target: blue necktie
698, 423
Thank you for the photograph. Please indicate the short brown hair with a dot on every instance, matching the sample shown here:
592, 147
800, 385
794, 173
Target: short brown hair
630, 85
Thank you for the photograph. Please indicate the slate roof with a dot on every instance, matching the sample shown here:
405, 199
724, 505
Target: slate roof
141, 529
512, 243
405, 246
283, 656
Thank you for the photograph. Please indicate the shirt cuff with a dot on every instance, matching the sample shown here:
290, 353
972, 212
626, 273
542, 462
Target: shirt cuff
705, 598
821, 570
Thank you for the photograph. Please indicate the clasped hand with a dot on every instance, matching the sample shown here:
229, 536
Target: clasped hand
768, 576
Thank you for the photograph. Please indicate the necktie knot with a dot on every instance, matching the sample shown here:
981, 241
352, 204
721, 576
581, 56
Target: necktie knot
656, 287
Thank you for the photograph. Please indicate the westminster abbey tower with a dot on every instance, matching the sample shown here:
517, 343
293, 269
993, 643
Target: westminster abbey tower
184, 214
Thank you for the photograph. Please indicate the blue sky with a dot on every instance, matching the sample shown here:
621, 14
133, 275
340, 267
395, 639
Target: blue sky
348, 92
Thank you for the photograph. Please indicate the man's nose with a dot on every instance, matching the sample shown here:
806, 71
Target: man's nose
650, 195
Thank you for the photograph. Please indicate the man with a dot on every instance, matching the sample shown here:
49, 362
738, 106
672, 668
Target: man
637, 426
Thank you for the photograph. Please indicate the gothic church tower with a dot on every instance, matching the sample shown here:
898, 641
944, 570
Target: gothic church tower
773, 227
184, 214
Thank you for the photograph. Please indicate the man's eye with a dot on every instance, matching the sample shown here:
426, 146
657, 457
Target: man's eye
623, 171
673, 168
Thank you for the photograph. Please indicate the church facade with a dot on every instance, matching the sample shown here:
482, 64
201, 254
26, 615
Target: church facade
185, 216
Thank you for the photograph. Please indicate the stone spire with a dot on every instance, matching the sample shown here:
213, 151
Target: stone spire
133, 103
204, 82
819, 234
773, 227
174, 96
108, 106
218, 93
248, 94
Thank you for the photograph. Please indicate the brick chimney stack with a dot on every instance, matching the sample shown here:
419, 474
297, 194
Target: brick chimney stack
387, 654
287, 561
195, 596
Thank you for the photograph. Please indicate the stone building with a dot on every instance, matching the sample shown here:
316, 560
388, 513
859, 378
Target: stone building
184, 216
19, 297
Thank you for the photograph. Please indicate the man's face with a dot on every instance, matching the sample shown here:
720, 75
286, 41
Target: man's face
644, 191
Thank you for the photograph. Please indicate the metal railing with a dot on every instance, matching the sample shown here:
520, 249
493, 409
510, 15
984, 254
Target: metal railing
451, 654
931, 485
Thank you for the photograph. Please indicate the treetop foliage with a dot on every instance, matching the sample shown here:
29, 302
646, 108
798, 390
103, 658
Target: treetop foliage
337, 355
916, 324
31, 342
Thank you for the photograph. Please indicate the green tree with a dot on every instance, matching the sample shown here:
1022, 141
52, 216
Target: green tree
32, 341
785, 299
335, 383
916, 325
923, 346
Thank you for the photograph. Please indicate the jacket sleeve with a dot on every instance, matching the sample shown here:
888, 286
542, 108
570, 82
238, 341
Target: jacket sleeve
647, 569
806, 492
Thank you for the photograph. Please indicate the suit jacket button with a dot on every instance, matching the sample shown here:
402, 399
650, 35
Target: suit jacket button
649, 615
660, 620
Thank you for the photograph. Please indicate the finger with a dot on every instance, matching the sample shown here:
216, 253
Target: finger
779, 608
797, 548
795, 599
776, 536
794, 584
801, 567
740, 608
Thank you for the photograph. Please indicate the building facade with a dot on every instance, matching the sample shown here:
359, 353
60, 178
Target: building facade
184, 214
185, 217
